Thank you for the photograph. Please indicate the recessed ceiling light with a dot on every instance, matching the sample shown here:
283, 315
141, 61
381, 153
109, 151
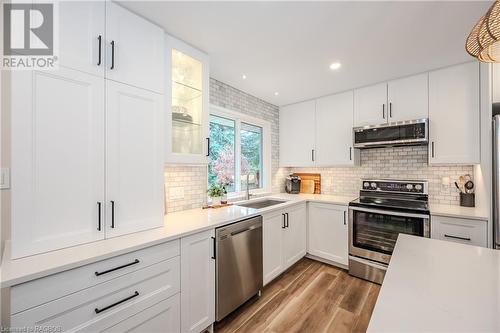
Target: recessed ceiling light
243, 76
276, 93
335, 65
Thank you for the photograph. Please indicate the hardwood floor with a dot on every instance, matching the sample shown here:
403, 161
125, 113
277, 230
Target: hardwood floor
310, 297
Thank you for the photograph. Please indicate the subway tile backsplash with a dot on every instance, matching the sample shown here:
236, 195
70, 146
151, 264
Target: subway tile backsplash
393, 163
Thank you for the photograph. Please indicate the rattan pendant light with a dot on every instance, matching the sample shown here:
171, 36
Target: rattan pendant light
483, 41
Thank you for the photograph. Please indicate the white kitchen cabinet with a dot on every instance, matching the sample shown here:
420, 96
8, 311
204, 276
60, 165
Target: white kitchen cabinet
272, 236
327, 232
57, 160
81, 36
334, 135
454, 119
197, 281
134, 156
297, 128
459, 230
408, 98
161, 317
284, 240
370, 105
295, 242
187, 103
134, 49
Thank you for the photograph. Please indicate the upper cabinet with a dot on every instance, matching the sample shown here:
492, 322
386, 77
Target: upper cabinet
134, 49
370, 105
103, 38
397, 100
454, 115
297, 134
408, 98
318, 132
334, 131
187, 103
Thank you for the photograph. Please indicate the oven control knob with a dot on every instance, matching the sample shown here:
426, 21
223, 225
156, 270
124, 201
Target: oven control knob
373, 185
418, 187
409, 187
366, 185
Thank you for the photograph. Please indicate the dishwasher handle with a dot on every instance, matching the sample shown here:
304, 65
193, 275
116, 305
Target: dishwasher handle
234, 233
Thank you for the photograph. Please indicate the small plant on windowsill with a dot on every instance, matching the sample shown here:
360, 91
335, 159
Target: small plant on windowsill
215, 192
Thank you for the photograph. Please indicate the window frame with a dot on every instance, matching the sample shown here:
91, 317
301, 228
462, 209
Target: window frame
239, 118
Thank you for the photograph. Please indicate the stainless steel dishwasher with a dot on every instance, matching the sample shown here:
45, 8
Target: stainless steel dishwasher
238, 260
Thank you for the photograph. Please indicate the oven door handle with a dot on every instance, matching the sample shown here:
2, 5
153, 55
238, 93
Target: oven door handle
388, 212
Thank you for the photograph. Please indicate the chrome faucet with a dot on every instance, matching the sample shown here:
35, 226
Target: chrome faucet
248, 183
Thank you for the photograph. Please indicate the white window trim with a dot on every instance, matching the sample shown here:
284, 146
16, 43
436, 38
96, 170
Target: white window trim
239, 117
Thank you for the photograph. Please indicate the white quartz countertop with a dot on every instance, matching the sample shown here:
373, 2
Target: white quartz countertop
438, 286
176, 225
474, 213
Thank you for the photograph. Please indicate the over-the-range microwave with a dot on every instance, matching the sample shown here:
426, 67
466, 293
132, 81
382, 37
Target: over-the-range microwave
402, 133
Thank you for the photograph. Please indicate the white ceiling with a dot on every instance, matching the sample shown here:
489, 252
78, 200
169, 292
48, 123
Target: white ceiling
288, 46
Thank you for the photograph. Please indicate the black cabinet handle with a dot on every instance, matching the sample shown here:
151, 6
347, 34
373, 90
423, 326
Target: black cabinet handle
112, 55
287, 220
208, 147
99, 216
432, 149
456, 237
312, 155
112, 214
215, 247
383, 110
99, 57
136, 261
390, 109
345, 220
350, 153
97, 310
283, 225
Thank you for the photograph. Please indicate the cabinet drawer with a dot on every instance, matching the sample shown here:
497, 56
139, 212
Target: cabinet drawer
161, 317
36, 292
105, 302
458, 230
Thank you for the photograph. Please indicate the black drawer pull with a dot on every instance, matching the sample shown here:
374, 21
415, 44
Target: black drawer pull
136, 261
456, 237
136, 293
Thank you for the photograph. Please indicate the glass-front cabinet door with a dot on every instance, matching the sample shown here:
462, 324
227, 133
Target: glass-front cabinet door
187, 103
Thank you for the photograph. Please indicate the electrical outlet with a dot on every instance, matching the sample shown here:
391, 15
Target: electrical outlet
176, 193
4, 178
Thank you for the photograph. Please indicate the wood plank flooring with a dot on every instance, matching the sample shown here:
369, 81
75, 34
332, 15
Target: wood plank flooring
310, 297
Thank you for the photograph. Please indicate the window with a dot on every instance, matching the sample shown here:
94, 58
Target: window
239, 151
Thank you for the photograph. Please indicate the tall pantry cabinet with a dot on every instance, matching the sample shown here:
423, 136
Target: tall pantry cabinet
87, 152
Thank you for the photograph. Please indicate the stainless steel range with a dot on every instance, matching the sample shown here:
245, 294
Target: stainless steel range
384, 209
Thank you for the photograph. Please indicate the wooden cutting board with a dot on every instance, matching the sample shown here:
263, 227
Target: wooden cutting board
305, 184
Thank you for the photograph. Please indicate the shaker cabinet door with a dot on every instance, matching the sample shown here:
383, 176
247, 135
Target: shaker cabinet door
134, 159
295, 242
57, 160
272, 238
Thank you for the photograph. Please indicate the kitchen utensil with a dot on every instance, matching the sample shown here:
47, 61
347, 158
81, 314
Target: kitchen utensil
456, 184
469, 186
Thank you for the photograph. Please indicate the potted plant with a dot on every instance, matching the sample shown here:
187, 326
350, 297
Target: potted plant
215, 192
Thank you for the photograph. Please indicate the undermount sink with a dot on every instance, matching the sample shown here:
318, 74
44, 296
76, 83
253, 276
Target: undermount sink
261, 204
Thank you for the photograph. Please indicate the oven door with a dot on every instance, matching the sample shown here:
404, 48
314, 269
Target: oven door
373, 232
